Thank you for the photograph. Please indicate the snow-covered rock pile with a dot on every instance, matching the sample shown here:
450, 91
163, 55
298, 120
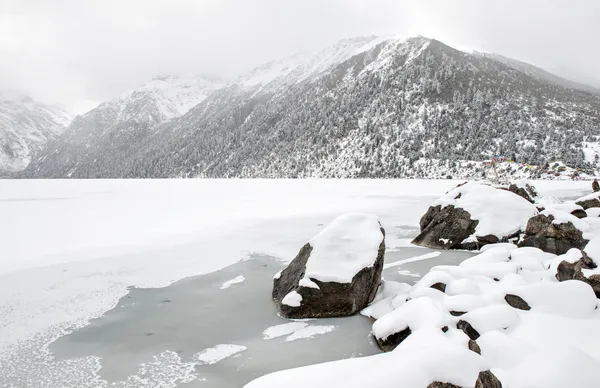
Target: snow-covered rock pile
337, 273
499, 319
474, 213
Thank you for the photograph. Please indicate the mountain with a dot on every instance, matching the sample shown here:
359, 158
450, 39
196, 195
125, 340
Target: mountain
115, 128
25, 127
365, 107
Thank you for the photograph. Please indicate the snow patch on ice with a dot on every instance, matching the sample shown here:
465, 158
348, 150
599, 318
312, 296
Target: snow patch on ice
309, 332
229, 283
218, 353
283, 329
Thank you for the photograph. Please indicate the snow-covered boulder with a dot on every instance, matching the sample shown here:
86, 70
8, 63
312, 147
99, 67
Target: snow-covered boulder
554, 231
589, 201
582, 266
335, 274
473, 211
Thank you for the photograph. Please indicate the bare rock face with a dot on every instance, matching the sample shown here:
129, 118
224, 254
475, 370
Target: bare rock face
445, 228
298, 294
542, 233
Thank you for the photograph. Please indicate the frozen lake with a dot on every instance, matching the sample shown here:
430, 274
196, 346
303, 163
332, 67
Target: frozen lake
167, 283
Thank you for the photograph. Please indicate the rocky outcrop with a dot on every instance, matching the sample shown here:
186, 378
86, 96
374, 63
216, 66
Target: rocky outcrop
541, 232
445, 228
346, 283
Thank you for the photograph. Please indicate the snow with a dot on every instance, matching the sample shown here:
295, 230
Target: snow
561, 217
229, 283
283, 329
292, 299
306, 282
415, 314
593, 212
499, 212
565, 367
218, 353
345, 247
309, 332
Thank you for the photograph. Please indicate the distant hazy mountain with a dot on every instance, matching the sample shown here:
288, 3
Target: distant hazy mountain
366, 107
115, 128
25, 128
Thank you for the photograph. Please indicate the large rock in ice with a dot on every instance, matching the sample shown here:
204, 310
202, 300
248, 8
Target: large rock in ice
582, 266
554, 231
474, 211
335, 274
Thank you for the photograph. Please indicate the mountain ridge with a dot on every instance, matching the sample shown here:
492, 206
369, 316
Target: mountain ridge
365, 108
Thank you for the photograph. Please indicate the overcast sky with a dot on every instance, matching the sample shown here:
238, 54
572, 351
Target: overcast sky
74, 52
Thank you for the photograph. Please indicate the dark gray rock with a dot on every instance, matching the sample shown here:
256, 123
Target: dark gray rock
573, 271
468, 329
391, 342
439, 286
517, 302
589, 203
331, 299
486, 379
579, 213
553, 238
474, 347
445, 228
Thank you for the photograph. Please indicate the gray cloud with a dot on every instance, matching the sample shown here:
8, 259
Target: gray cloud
72, 51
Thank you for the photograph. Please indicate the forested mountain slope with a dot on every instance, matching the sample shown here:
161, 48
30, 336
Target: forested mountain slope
365, 107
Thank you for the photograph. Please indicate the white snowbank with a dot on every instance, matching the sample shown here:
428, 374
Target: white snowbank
593, 212
218, 353
415, 314
229, 283
345, 247
560, 368
500, 212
